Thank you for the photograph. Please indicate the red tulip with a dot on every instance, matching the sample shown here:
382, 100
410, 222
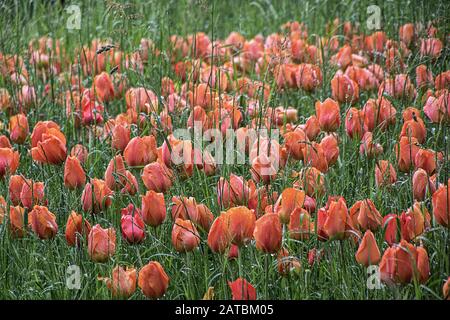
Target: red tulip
76, 228
96, 196
157, 177
42, 222
242, 290
391, 228
74, 176
132, 225
328, 114
140, 151
368, 252
441, 206
185, 236
153, 208
9, 161
268, 233
219, 237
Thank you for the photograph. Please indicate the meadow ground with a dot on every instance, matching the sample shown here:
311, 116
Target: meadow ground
31, 268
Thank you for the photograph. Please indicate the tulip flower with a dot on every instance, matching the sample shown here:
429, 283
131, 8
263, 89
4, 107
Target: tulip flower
422, 265
441, 207
290, 199
74, 176
153, 280
115, 174
219, 237
16, 221
76, 227
446, 289
122, 282
185, 236
48, 143
414, 221
338, 222
103, 87
241, 289
132, 225
241, 224
96, 196
268, 233
391, 228
300, 224
157, 177
42, 222
18, 128
314, 156
426, 159
32, 193
330, 147
385, 174
328, 114
344, 89
312, 181
101, 243
80, 152
368, 252
406, 151
153, 208
120, 137
9, 161
140, 151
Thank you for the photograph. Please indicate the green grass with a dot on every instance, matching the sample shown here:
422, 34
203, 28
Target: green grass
34, 269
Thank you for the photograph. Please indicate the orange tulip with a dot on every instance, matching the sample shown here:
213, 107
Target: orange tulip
141, 100
308, 76
328, 114
16, 221
74, 176
268, 233
101, 243
354, 123
32, 193
330, 147
122, 282
414, 222
300, 224
42, 222
424, 77
103, 87
219, 238
344, 89
391, 228
184, 208
446, 289
140, 151
205, 217
294, 142
378, 113
290, 199
241, 224
397, 264
385, 174
48, 143
120, 136
9, 161
312, 181
153, 208
80, 152
365, 215
407, 33
338, 220
406, 151
242, 290
131, 186
115, 174
4, 142
368, 147
441, 206
314, 156
422, 265
422, 184
368, 252
15, 188
311, 127
414, 128
76, 228
431, 47
426, 159
157, 177
18, 128
153, 280
185, 236
262, 169
96, 196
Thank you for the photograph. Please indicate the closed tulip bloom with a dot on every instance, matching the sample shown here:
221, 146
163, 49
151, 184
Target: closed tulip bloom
300, 224
9, 161
414, 128
354, 123
424, 77
48, 143
398, 263
157, 177
115, 174
268, 233
96, 196
308, 76
406, 151
312, 181
103, 87
390, 226
185, 236
74, 176
262, 169
31, 194
223, 190
421, 184
184, 208
314, 156
330, 147
294, 142
328, 114
241, 224
312, 127
336, 222
16, 221
15, 188
365, 215
431, 47
4, 142
122, 282
132, 225
241, 289
446, 289
369, 148
426, 159
42, 222
205, 217
18, 128
406, 33
219, 238
76, 228
153, 208
80, 152
101, 243
368, 252
385, 174
423, 265
120, 136
290, 199
140, 151
441, 207
153, 280
344, 89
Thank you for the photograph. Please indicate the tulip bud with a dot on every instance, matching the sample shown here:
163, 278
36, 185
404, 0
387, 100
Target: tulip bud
101, 243
153, 280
